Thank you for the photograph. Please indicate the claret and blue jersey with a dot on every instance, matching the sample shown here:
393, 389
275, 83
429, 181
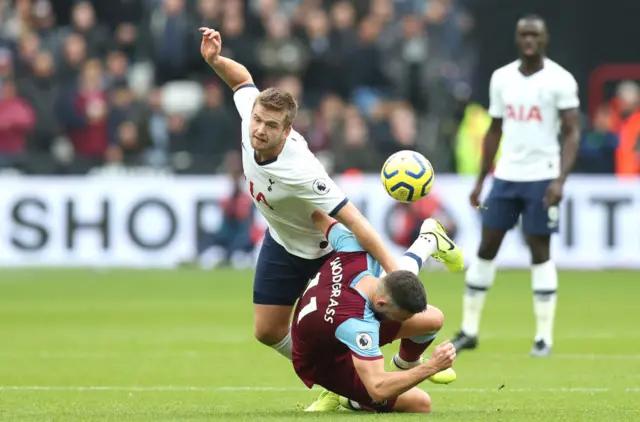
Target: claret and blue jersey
332, 318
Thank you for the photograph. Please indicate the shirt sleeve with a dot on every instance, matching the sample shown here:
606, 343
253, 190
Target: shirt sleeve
496, 105
567, 97
362, 337
342, 239
245, 97
322, 193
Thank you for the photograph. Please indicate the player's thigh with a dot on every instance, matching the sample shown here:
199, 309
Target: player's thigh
499, 215
537, 219
280, 278
427, 322
413, 401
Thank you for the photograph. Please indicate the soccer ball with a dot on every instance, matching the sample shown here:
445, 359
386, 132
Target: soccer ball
407, 176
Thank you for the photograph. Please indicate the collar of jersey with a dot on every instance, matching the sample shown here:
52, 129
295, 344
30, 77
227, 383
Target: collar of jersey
265, 162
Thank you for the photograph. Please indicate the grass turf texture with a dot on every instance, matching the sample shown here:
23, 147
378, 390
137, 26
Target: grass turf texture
177, 345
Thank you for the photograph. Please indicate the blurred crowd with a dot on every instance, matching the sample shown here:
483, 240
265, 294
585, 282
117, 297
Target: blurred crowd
89, 85
96, 84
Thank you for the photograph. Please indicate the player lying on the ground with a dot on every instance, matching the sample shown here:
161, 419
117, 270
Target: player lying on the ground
287, 184
530, 99
348, 311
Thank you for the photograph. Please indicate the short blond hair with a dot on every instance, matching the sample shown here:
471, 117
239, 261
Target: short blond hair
275, 99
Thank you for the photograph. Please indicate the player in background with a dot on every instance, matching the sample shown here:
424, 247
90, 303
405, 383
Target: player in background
349, 310
529, 100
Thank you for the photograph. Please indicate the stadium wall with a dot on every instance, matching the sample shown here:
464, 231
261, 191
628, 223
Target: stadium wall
153, 222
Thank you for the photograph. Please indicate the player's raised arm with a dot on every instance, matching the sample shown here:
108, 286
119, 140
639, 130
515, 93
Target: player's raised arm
233, 73
382, 385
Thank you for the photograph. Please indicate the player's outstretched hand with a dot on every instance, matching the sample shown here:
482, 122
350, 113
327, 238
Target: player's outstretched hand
474, 198
211, 44
443, 356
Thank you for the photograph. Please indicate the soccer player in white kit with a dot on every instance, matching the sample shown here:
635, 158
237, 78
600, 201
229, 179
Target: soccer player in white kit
530, 99
287, 184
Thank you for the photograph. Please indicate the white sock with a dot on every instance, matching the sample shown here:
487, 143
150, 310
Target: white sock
480, 276
403, 364
544, 280
284, 347
418, 253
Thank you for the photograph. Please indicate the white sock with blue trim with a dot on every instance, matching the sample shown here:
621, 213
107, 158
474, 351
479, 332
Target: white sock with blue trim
418, 253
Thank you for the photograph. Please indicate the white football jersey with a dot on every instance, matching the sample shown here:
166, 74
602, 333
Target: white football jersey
529, 107
287, 189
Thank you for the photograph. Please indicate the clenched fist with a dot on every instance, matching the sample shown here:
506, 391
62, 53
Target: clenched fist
443, 356
211, 44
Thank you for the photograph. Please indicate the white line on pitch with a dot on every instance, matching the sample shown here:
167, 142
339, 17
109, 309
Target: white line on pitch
197, 355
187, 388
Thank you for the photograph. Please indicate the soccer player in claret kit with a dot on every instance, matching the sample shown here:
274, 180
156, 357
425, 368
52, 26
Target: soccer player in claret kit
529, 100
350, 309
287, 184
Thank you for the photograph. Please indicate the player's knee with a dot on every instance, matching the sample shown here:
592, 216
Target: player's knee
540, 250
539, 255
269, 335
436, 318
423, 404
488, 250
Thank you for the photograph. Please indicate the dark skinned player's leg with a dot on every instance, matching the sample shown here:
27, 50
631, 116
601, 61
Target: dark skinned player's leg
502, 209
539, 223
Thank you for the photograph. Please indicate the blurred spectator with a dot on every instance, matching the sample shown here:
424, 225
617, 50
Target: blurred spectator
279, 53
6, 64
41, 91
624, 104
84, 113
122, 107
237, 44
153, 130
232, 244
209, 13
598, 146
126, 148
44, 22
406, 60
83, 22
352, 147
367, 82
74, 53
28, 47
172, 41
126, 38
178, 140
322, 72
212, 132
117, 67
17, 120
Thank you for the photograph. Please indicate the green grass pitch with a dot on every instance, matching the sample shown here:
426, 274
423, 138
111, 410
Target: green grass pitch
82, 345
